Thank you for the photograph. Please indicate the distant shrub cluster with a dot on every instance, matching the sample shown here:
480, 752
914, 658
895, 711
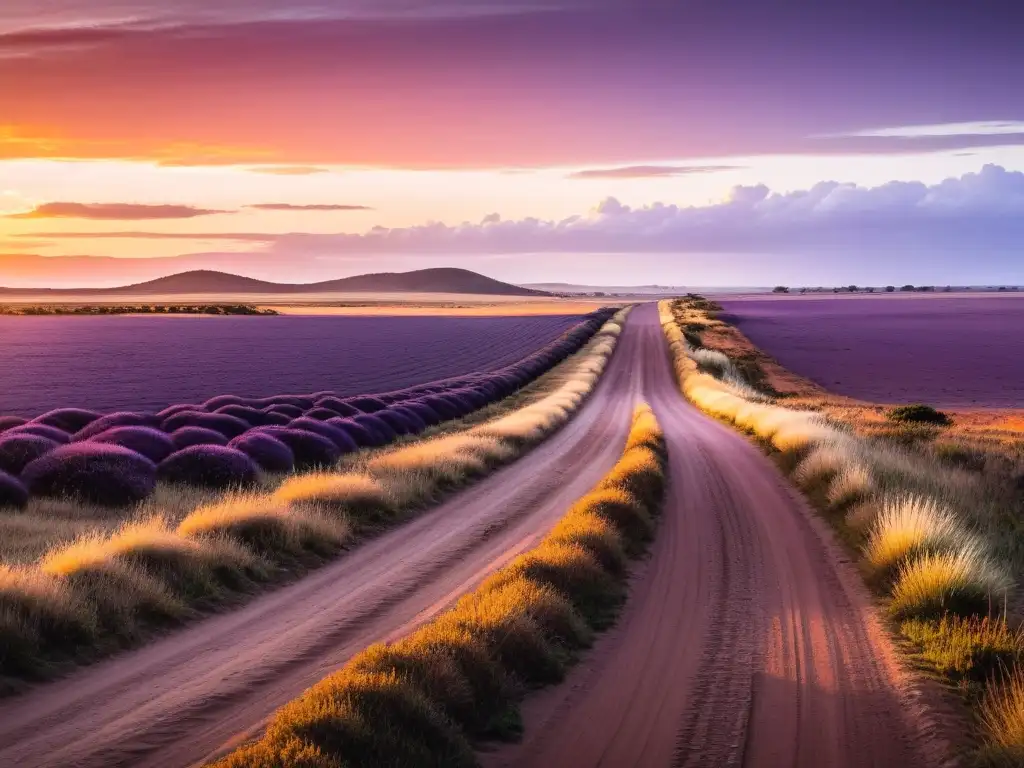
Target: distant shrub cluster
228, 441
136, 309
425, 699
918, 414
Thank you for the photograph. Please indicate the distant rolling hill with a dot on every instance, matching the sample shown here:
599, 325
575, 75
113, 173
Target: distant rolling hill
205, 282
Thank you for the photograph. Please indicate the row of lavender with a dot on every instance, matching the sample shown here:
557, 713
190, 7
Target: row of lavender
117, 458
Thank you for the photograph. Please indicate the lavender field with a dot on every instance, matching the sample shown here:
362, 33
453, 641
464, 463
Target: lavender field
146, 363
956, 351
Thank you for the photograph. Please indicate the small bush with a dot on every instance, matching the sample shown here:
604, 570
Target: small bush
186, 437
107, 475
360, 435
379, 429
10, 422
311, 451
18, 451
918, 414
209, 466
12, 493
288, 411
68, 419
341, 439
267, 451
253, 416
151, 443
320, 414
963, 582
118, 419
367, 404
58, 436
229, 426
340, 407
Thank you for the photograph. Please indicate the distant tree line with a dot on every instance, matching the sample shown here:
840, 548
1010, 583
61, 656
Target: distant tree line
136, 309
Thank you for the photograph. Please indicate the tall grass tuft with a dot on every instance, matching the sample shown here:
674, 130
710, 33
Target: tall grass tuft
908, 526
423, 700
963, 581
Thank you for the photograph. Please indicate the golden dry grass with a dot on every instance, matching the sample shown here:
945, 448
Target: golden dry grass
1002, 717
424, 699
963, 581
909, 526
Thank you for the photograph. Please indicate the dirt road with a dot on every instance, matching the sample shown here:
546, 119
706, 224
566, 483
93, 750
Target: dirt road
744, 641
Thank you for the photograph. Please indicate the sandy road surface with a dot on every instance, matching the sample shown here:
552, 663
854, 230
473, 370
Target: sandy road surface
744, 643
746, 640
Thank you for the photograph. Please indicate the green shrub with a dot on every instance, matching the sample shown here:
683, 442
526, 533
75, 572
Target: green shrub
918, 414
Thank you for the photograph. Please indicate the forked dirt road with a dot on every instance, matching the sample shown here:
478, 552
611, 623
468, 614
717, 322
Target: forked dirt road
746, 641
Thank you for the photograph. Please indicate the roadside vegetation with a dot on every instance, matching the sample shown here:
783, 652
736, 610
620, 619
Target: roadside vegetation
79, 581
934, 538
134, 309
427, 699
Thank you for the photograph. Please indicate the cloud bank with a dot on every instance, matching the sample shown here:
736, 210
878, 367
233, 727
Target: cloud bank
313, 207
964, 230
650, 171
113, 212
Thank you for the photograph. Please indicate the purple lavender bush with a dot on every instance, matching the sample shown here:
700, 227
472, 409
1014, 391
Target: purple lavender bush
186, 437
267, 451
68, 419
151, 443
18, 451
118, 419
108, 475
209, 466
12, 493
339, 437
311, 450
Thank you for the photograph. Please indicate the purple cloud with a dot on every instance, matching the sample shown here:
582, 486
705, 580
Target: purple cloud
312, 207
650, 171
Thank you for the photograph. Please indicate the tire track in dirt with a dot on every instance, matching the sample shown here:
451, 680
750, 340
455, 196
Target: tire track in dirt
746, 641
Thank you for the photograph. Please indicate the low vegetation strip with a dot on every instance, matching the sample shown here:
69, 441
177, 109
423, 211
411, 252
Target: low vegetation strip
135, 309
426, 699
925, 548
108, 590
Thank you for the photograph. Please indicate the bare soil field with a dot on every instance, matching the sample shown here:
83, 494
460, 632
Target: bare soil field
950, 352
148, 362
747, 641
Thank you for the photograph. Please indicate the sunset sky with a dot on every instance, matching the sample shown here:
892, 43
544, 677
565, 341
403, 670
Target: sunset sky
700, 142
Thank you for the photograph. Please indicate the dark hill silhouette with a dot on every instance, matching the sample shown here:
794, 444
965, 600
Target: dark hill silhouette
437, 280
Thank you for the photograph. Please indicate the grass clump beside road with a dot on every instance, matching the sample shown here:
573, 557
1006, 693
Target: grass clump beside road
190, 550
926, 543
425, 700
